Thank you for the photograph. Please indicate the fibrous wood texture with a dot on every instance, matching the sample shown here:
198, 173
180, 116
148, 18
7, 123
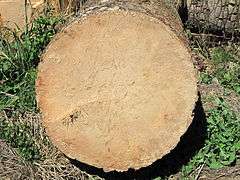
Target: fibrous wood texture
117, 87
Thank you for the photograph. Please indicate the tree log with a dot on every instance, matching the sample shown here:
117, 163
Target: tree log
200, 15
117, 86
214, 15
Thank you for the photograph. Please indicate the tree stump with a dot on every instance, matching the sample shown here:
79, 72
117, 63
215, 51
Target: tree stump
117, 86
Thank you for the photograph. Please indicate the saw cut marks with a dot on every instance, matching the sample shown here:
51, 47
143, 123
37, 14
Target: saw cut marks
116, 90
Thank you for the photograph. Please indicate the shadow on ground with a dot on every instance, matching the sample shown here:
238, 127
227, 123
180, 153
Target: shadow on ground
170, 164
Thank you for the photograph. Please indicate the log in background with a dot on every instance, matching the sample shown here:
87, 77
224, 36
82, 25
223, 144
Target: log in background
215, 16
220, 16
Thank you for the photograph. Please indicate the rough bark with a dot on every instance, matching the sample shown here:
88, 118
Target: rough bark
214, 15
160, 9
117, 86
202, 15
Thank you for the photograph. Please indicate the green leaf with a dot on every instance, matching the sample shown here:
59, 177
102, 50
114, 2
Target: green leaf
237, 145
214, 164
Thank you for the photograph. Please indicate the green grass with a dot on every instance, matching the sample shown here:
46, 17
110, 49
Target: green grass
225, 67
19, 57
222, 145
223, 139
19, 135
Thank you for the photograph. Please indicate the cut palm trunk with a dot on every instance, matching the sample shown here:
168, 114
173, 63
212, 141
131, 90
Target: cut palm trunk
117, 87
214, 15
200, 15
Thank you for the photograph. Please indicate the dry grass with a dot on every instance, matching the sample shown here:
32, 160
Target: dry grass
11, 165
53, 164
228, 173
